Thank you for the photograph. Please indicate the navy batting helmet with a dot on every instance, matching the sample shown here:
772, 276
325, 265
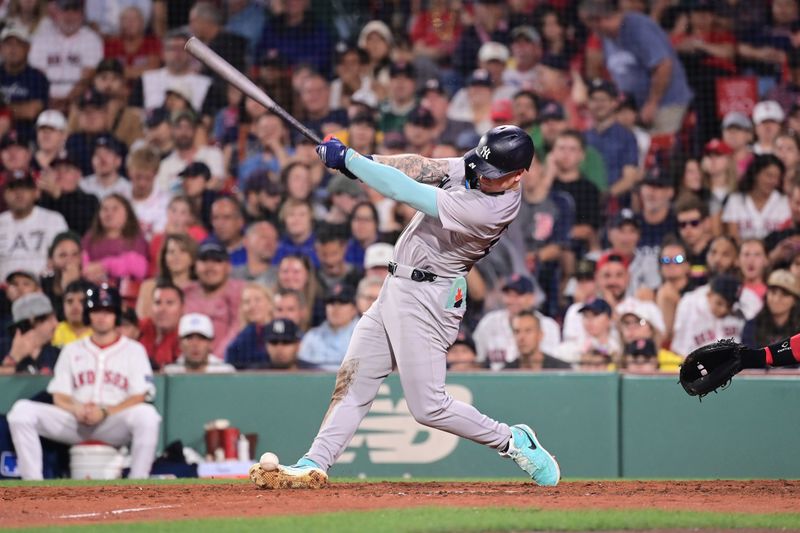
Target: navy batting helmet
502, 150
102, 297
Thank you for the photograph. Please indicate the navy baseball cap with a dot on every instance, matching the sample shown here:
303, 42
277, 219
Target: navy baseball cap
109, 65
551, 110
402, 69
601, 85
13, 138
282, 331
66, 158
92, 98
19, 179
625, 216
480, 77
109, 142
655, 178
422, 117
519, 284
156, 117
341, 293
597, 307
212, 251
261, 181
584, 269
196, 169
433, 84
726, 286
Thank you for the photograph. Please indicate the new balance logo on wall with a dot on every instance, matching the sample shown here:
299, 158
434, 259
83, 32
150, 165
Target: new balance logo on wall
391, 435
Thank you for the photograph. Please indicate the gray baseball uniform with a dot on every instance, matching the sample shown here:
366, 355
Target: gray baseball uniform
412, 323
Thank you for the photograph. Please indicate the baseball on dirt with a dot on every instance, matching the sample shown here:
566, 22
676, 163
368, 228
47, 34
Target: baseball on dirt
269, 461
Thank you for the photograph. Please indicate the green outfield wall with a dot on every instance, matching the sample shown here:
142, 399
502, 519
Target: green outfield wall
599, 425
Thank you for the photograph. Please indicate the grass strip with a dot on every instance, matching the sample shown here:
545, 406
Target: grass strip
455, 519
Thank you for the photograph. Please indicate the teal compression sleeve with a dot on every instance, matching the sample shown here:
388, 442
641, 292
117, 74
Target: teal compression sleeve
392, 183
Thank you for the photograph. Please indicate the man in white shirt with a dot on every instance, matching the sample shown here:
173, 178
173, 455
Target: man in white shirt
149, 203
768, 117
67, 55
197, 333
26, 230
526, 50
177, 70
106, 162
494, 338
184, 128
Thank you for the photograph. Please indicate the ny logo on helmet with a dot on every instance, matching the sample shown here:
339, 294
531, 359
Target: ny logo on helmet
484, 152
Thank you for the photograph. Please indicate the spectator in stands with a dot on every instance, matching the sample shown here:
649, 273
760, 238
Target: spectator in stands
753, 264
419, 131
18, 283
639, 357
324, 346
72, 327
780, 314
526, 50
563, 165
642, 333
787, 92
34, 323
159, 328
367, 292
206, 23
272, 143
246, 18
291, 305
180, 220
787, 148
675, 270
768, 118
114, 247
461, 356
64, 267
344, 194
759, 207
318, 114
376, 259
188, 150
350, 76
196, 332
615, 142
400, 99
150, 93
601, 340
174, 260
26, 230
723, 254
433, 97
15, 154
657, 219
283, 344
782, 242
363, 231
331, 245
627, 115
526, 326
719, 170
136, 50
295, 272
476, 107
262, 197
227, 221
125, 121
299, 185
248, 351
61, 192
106, 16
298, 37
51, 135
493, 336
260, 243
642, 62
487, 22
157, 132
376, 39
107, 158
30, 15
149, 203
765, 47
25, 88
624, 232
67, 53
707, 314
194, 181
298, 235
737, 133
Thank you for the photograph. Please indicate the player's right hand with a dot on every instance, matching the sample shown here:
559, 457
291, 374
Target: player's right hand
332, 153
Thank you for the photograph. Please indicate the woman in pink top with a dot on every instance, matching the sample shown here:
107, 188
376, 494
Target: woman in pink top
114, 247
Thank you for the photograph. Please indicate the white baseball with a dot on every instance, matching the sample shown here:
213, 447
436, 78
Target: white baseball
269, 461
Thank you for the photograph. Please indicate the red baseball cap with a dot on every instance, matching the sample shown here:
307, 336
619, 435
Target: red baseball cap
612, 257
501, 111
717, 147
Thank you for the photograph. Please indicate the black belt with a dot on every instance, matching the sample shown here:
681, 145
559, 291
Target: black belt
414, 274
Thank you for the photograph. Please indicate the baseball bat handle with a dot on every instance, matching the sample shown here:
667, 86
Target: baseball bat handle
212, 60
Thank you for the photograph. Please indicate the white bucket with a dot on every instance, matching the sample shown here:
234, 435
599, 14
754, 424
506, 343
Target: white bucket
95, 461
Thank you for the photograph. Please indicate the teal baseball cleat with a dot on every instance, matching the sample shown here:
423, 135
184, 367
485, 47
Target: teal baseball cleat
530, 456
305, 474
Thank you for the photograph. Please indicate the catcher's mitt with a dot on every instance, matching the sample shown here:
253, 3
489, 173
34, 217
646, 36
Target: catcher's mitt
711, 367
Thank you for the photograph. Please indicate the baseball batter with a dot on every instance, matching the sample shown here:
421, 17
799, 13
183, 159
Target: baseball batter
99, 387
417, 314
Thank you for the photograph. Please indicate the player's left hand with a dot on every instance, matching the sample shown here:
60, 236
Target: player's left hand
332, 152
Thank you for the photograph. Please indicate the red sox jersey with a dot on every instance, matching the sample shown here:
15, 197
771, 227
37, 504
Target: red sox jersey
103, 375
469, 224
696, 326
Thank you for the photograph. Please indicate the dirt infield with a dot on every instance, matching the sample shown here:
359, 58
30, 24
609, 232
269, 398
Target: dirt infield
28, 506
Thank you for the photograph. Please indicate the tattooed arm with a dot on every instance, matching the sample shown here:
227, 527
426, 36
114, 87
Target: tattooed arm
421, 169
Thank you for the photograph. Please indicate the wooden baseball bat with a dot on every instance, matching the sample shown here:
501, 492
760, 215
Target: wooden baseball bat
212, 60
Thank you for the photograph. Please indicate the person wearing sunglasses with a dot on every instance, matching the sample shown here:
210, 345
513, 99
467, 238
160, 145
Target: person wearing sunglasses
674, 267
694, 230
33, 328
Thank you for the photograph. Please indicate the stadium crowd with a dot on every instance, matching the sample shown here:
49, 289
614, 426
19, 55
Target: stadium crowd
662, 210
